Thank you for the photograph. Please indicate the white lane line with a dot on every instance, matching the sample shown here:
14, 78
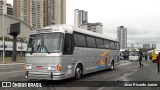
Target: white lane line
123, 64
100, 88
13, 64
146, 65
135, 70
124, 77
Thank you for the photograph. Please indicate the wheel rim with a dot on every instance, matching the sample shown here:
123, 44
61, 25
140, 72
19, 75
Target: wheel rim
78, 72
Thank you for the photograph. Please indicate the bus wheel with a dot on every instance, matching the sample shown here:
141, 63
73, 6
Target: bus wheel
78, 72
112, 66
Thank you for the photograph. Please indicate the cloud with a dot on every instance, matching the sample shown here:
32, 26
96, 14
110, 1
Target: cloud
140, 17
142, 29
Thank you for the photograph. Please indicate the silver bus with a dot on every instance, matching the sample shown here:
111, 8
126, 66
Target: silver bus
62, 51
134, 54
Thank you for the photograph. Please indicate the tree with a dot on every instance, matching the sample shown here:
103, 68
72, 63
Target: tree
1, 38
21, 39
5, 38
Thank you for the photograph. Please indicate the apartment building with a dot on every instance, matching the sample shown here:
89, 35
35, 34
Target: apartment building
40, 13
122, 35
3, 6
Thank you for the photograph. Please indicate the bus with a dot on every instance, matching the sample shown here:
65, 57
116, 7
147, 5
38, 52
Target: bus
134, 54
58, 52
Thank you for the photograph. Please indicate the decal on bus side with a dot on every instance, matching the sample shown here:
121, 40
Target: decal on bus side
105, 53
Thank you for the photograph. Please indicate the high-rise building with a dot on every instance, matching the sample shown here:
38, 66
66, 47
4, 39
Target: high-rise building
9, 9
37, 14
29, 11
153, 46
3, 6
40, 13
80, 17
149, 46
146, 46
6, 8
17, 5
55, 12
81, 21
94, 27
122, 35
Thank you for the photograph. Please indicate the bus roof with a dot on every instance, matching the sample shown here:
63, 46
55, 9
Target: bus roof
122, 50
135, 49
70, 29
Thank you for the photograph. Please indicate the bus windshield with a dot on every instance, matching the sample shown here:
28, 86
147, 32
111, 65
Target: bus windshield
134, 53
45, 43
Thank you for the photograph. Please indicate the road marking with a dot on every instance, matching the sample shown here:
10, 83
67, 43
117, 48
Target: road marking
100, 88
128, 74
124, 63
146, 65
13, 64
135, 70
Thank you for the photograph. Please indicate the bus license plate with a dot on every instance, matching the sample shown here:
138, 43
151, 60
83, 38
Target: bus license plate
39, 67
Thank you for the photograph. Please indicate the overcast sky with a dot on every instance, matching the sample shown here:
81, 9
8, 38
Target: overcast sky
140, 17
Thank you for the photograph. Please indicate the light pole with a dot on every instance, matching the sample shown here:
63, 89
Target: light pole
3, 32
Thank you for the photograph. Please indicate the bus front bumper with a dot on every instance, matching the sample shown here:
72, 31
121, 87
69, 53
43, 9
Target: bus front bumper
45, 75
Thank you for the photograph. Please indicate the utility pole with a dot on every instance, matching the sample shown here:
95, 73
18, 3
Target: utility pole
3, 31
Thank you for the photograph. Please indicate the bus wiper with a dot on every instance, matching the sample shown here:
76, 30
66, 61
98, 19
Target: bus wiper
32, 48
37, 48
46, 49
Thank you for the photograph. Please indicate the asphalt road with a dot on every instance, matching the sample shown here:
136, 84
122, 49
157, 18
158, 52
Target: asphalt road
126, 71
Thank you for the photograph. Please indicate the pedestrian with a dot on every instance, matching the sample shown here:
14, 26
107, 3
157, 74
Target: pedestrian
140, 59
158, 62
146, 57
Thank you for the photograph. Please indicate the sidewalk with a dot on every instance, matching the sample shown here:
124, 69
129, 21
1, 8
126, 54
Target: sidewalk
9, 61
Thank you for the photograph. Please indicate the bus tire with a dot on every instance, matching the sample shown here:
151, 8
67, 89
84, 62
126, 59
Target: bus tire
112, 66
78, 72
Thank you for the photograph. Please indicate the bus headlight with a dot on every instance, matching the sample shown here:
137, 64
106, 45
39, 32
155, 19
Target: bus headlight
51, 67
28, 66
55, 67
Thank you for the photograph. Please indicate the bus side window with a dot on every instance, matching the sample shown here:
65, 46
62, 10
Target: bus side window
112, 44
68, 49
